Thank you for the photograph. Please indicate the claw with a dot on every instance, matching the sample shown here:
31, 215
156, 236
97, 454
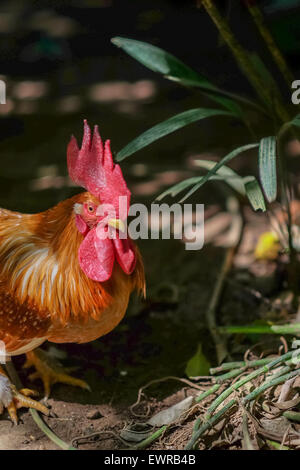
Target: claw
50, 371
12, 399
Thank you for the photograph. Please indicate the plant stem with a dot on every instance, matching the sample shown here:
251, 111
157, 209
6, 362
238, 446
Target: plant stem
146, 442
270, 383
292, 415
288, 329
50, 434
208, 424
241, 364
246, 379
293, 269
241, 58
230, 375
289, 359
208, 392
276, 445
211, 311
269, 40
38, 420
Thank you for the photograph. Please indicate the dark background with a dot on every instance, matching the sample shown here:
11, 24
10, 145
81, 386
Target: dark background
60, 67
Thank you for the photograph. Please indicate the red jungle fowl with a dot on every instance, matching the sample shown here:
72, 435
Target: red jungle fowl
61, 280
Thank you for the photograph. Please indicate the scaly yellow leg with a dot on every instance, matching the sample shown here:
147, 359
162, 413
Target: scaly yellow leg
50, 371
12, 399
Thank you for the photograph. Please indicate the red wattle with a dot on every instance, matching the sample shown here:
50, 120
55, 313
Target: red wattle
125, 254
81, 225
96, 257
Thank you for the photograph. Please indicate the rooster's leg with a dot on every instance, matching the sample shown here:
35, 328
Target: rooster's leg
50, 371
12, 399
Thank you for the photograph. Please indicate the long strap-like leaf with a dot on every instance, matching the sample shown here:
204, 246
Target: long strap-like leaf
218, 165
167, 127
267, 167
161, 61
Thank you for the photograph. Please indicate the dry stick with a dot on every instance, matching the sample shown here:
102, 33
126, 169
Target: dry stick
233, 207
293, 271
149, 440
247, 443
242, 59
156, 381
211, 311
278, 58
75, 440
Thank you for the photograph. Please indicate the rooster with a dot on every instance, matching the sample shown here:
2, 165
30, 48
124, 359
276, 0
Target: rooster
66, 274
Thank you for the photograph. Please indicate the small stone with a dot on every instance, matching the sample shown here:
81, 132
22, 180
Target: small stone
93, 414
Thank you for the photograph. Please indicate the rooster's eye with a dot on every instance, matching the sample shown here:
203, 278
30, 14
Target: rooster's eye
90, 209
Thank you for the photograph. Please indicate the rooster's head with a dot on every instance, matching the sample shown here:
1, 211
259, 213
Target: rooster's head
101, 220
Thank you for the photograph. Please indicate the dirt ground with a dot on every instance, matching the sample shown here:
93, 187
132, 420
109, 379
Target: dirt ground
155, 340
52, 85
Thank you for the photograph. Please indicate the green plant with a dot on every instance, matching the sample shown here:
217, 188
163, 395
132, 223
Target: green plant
269, 148
271, 156
272, 184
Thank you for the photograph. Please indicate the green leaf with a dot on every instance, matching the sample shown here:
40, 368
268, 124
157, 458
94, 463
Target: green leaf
286, 128
229, 104
198, 364
295, 121
287, 125
248, 185
266, 76
217, 171
243, 185
216, 94
254, 193
267, 167
167, 127
217, 166
226, 174
158, 60
288, 329
179, 187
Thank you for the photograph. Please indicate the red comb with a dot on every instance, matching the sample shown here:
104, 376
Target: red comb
93, 168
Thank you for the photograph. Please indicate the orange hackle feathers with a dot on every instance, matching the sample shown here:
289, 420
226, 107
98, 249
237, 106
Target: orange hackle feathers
40, 275
44, 292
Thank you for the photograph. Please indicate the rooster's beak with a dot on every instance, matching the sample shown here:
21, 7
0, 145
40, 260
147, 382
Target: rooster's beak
118, 224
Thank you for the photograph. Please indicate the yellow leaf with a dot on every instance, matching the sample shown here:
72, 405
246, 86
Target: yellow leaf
267, 247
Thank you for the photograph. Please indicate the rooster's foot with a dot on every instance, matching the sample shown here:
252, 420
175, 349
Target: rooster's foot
12, 399
50, 371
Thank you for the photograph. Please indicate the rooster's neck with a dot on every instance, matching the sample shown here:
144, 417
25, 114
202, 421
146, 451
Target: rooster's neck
39, 264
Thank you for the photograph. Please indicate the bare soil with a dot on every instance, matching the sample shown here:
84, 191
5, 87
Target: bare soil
155, 340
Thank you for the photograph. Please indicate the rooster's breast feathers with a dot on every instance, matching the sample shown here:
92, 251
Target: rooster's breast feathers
42, 283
